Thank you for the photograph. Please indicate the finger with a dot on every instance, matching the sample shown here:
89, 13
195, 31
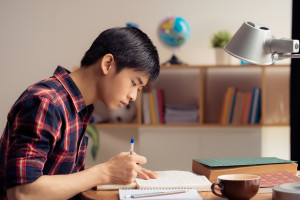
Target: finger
142, 175
147, 174
150, 174
139, 159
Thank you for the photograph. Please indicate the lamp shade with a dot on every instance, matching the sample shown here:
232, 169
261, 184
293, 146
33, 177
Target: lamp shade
248, 44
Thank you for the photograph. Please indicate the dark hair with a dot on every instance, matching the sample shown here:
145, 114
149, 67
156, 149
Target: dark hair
130, 47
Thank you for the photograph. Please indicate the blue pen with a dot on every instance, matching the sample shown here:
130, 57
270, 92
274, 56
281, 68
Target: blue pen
131, 146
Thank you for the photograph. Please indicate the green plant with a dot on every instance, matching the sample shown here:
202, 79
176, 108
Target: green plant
93, 133
221, 38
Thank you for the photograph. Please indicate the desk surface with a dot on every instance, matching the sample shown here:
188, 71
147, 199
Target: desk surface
114, 195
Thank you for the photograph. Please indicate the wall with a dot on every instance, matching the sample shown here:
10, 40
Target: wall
175, 148
36, 36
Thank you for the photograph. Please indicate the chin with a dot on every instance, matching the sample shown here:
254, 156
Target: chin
112, 107
109, 106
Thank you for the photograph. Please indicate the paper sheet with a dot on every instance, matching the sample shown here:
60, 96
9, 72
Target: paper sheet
176, 179
191, 194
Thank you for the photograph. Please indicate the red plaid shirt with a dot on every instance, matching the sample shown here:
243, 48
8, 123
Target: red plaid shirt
44, 134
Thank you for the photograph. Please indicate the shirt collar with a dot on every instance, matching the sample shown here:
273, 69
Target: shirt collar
64, 78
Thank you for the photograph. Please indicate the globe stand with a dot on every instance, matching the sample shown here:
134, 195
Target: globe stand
173, 61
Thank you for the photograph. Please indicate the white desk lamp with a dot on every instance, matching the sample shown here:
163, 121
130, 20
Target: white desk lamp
255, 43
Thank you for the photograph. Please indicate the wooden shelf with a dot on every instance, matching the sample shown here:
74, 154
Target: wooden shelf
112, 125
219, 66
205, 86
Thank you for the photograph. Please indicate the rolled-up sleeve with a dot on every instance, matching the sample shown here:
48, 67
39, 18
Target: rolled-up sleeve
34, 131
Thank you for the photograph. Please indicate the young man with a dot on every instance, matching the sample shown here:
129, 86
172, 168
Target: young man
43, 145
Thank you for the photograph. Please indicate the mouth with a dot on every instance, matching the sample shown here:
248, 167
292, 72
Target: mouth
123, 104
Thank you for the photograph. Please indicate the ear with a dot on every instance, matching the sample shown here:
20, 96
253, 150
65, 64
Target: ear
106, 63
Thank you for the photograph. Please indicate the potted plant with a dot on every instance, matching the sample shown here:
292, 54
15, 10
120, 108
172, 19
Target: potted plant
219, 40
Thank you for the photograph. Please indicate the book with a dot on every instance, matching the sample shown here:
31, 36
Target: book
237, 108
232, 105
170, 179
212, 168
146, 109
257, 113
190, 194
269, 180
255, 106
160, 97
246, 107
227, 100
156, 108
228, 105
181, 114
152, 108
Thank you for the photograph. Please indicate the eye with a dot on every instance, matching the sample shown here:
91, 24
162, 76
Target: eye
133, 83
140, 89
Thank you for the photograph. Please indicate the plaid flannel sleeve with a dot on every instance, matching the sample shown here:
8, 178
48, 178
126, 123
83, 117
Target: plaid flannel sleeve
34, 129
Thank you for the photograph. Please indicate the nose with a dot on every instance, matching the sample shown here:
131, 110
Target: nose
132, 95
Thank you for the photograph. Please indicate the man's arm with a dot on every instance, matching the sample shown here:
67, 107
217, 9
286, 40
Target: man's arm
57, 186
121, 169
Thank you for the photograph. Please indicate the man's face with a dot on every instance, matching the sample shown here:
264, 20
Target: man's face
121, 88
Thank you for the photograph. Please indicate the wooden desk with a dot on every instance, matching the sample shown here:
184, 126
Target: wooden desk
114, 195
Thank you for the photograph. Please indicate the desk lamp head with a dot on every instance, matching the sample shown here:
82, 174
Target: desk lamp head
255, 43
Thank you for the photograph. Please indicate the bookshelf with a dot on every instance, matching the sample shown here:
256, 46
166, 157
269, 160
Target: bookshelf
205, 86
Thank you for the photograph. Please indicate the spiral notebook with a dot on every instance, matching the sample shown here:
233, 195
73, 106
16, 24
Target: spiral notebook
191, 194
176, 180
170, 179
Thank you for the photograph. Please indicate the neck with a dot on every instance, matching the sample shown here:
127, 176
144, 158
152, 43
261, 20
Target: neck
85, 81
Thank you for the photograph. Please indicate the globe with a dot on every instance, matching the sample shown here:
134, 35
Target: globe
173, 32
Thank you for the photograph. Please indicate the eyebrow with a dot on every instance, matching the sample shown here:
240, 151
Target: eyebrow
140, 80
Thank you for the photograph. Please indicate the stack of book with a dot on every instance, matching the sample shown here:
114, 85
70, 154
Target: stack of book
212, 168
270, 180
153, 106
241, 107
181, 114
156, 112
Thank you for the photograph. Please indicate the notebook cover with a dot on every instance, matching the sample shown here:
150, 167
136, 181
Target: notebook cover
231, 162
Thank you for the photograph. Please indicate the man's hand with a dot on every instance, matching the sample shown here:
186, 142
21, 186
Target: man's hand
124, 168
147, 174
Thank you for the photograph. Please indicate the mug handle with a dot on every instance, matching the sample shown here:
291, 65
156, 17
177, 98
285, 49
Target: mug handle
213, 189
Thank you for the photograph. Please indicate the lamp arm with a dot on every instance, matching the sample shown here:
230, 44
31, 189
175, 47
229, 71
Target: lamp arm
281, 56
281, 45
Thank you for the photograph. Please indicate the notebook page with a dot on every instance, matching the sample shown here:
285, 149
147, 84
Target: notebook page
191, 194
116, 186
176, 179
